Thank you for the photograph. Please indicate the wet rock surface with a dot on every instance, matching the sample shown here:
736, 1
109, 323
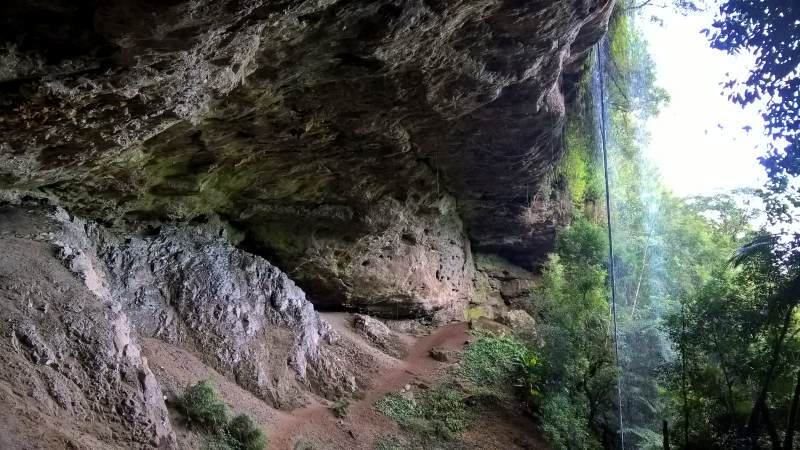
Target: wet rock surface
330, 133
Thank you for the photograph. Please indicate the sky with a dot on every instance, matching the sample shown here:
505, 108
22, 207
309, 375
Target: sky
698, 141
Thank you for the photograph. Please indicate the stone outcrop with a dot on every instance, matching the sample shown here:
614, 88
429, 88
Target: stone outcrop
190, 288
379, 335
363, 146
72, 374
500, 285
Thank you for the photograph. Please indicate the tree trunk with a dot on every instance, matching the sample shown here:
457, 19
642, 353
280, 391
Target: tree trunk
728, 383
761, 400
788, 443
683, 380
773, 433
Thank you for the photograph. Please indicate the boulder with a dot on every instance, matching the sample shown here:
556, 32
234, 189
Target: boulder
518, 320
379, 335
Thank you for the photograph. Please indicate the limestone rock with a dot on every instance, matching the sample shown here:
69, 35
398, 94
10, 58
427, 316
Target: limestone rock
500, 286
518, 320
189, 287
72, 373
331, 133
379, 335
484, 323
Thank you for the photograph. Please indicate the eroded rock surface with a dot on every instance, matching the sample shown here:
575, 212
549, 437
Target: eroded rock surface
500, 285
189, 287
379, 335
72, 374
332, 133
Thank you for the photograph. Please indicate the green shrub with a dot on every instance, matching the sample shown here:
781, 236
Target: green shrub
493, 360
244, 434
396, 407
444, 406
220, 442
202, 409
389, 442
438, 413
341, 407
564, 423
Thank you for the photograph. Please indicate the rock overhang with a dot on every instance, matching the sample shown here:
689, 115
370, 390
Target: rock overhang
403, 134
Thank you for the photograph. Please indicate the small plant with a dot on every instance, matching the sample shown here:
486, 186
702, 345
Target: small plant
341, 407
220, 442
244, 434
531, 377
439, 413
493, 360
389, 442
446, 409
303, 444
202, 409
396, 407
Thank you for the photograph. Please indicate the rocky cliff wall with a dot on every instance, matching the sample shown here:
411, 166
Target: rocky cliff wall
72, 374
366, 147
79, 301
190, 288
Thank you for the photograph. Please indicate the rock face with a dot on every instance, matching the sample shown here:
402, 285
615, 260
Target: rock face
189, 287
500, 285
72, 374
364, 146
379, 335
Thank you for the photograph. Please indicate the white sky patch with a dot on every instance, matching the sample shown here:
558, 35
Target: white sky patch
698, 141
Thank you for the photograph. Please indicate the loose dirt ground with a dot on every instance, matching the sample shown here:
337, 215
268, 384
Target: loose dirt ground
315, 424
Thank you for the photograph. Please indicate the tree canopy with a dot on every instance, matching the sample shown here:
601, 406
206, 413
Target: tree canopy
770, 30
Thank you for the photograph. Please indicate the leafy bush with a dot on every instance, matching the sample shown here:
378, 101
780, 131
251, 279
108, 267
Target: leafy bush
565, 425
389, 442
445, 408
493, 360
219, 443
396, 407
244, 434
341, 407
202, 409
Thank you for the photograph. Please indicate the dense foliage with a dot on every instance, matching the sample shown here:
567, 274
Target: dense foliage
703, 344
496, 372
770, 29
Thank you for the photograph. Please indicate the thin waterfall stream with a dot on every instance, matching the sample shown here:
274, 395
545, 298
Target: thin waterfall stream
636, 272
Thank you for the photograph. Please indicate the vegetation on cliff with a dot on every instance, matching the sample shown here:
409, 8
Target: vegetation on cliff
706, 303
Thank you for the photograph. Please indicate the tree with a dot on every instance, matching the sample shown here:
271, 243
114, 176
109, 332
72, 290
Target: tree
770, 30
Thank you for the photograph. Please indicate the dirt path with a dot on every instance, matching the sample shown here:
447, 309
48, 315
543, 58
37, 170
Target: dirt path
363, 425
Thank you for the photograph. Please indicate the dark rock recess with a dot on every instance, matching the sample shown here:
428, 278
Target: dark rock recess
365, 147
